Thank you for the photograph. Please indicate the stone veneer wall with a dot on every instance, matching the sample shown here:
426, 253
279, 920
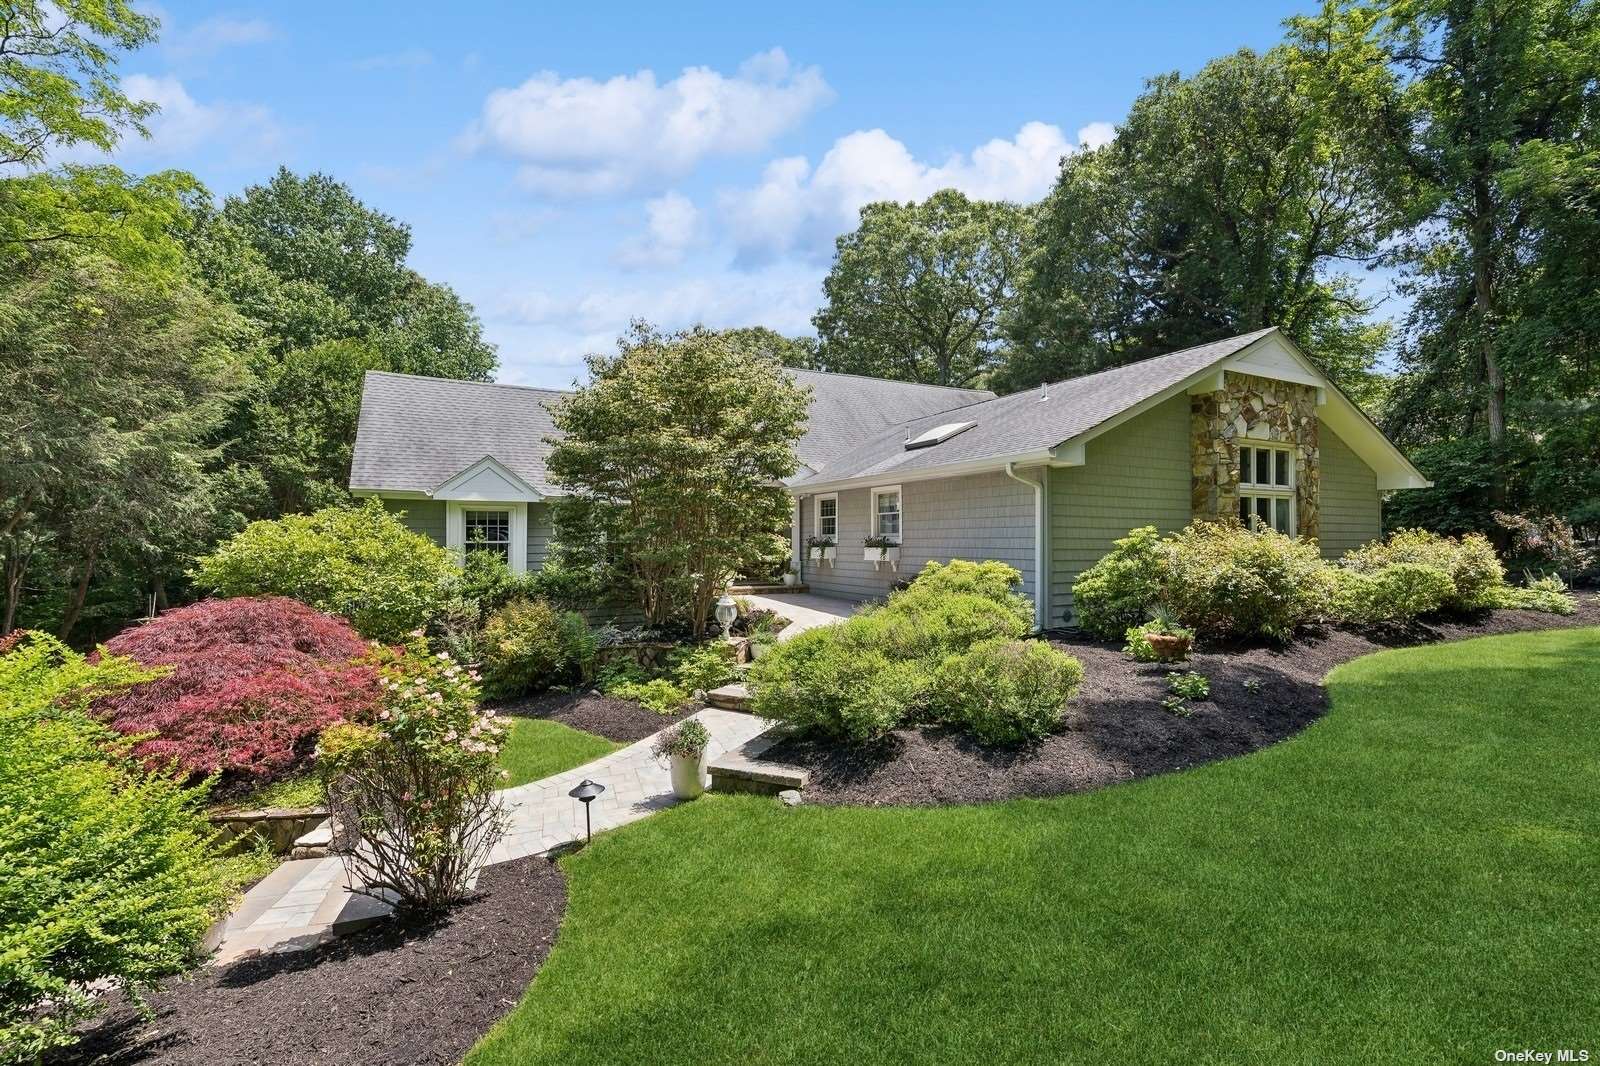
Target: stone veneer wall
1245, 409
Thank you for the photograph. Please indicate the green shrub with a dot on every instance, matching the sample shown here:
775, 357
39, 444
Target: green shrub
581, 643
825, 680
1548, 594
1392, 595
1121, 588
488, 581
992, 580
361, 563
566, 585
1188, 685
930, 624
658, 694
705, 667
107, 872
1007, 691
523, 649
1474, 569
686, 740
1223, 580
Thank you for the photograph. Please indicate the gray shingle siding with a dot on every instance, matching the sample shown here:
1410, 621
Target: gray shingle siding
983, 516
1134, 475
1351, 503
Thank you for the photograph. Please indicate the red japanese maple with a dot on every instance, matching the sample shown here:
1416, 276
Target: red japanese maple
253, 682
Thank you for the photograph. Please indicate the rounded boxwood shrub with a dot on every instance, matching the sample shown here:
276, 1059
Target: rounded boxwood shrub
1391, 595
1120, 589
1007, 691
249, 684
108, 871
835, 682
1223, 580
994, 581
360, 563
1474, 569
525, 648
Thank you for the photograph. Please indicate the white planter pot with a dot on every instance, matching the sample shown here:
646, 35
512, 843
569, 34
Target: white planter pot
823, 555
881, 555
688, 776
790, 578
758, 650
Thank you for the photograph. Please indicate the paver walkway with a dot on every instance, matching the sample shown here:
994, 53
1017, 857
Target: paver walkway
305, 901
804, 610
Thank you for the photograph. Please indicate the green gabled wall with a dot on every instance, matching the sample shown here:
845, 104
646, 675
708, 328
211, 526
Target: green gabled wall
1134, 475
1352, 508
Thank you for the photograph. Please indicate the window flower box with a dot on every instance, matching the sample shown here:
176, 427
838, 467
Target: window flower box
821, 550
877, 550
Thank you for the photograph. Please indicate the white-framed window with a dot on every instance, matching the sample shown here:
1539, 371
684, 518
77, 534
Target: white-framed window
884, 521
473, 525
827, 515
488, 531
1266, 486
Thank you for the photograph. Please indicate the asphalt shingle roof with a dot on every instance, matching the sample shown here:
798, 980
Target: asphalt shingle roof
415, 433
1024, 422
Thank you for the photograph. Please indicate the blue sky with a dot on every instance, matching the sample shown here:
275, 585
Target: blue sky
567, 168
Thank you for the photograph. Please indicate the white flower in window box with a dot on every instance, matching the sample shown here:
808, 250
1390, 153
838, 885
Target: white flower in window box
881, 550
821, 549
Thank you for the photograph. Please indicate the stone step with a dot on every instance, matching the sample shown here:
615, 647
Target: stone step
314, 844
734, 772
734, 697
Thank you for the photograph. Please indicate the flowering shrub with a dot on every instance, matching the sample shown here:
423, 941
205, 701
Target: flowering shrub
107, 871
415, 788
1546, 541
251, 684
361, 563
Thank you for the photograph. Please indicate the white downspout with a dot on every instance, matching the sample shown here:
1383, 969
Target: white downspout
796, 557
1038, 544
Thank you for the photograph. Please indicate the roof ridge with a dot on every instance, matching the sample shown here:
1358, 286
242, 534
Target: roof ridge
886, 381
1253, 334
468, 381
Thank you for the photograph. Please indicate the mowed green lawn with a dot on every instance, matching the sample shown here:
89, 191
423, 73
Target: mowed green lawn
1411, 880
538, 748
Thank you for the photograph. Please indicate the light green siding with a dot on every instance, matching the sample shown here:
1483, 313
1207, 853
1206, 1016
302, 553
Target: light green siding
1351, 503
1134, 475
420, 516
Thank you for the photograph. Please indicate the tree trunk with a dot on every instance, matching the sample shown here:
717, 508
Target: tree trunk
16, 568
1483, 303
79, 594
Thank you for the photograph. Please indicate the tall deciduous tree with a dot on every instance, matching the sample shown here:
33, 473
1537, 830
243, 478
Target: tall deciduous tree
917, 291
674, 455
1480, 117
1224, 204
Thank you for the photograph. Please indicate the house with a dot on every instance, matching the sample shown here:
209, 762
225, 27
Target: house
1044, 480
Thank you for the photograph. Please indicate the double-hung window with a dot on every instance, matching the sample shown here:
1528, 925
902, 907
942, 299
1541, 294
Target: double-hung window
886, 513
1266, 486
828, 517
489, 531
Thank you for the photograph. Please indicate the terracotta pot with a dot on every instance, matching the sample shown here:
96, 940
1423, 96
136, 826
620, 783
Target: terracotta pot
1169, 647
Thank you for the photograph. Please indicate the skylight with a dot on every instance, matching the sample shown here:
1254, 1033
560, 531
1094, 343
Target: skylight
938, 434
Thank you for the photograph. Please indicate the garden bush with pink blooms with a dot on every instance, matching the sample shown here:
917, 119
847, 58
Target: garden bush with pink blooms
251, 684
415, 787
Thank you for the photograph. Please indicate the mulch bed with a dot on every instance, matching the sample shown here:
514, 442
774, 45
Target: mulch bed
1116, 728
614, 719
396, 993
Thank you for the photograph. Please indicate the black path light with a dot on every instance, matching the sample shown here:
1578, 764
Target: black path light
585, 793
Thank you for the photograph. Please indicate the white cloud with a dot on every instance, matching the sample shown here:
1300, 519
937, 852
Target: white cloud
216, 33
1097, 134
798, 208
185, 126
673, 225
582, 137
405, 59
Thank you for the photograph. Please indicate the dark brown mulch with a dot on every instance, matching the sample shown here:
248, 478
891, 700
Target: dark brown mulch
1116, 728
614, 719
394, 994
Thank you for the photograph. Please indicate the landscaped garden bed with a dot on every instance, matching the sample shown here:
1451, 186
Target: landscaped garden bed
1116, 728
623, 721
396, 993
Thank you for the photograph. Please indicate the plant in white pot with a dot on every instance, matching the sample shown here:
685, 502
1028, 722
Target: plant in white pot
685, 746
